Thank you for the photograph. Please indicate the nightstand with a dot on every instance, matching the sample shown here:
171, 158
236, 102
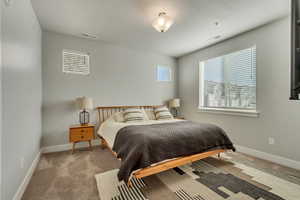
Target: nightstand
81, 133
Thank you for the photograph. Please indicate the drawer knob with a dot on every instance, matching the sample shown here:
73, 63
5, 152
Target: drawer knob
82, 130
82, 137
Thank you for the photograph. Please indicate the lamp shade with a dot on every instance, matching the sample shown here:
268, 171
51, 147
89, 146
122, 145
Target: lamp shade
85, 103
174, 103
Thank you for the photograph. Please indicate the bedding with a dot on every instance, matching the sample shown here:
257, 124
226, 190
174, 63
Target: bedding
118, 117
162, 113
140, 145
150, 114
111, 126
134, 115
145, 114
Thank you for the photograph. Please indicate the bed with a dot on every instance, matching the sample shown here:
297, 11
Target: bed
127, 144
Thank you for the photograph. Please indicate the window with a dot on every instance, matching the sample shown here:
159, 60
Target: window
229, 82
76, 62
163, 73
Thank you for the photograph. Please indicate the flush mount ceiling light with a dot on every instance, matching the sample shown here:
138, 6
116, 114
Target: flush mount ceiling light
163, 22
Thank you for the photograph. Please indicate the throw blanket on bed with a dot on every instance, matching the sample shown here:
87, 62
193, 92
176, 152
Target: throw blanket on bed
139, 146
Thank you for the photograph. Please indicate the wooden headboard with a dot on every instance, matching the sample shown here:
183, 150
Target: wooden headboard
104, 112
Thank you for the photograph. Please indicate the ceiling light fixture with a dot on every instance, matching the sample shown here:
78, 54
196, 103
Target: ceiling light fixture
162, 23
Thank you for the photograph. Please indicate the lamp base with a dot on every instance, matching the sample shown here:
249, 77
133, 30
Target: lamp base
175, 112
84, 117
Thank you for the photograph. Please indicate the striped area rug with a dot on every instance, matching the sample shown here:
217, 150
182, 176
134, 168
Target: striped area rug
209, 179
110, 188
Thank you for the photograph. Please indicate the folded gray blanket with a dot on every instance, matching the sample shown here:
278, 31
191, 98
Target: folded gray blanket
139, 146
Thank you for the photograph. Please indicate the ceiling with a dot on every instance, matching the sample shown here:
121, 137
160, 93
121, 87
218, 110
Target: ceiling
128, 22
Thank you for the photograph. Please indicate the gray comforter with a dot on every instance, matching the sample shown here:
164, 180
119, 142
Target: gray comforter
139, 146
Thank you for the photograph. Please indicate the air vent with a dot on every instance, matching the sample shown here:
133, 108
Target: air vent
214, 38
75, 62
86, 35
217, 37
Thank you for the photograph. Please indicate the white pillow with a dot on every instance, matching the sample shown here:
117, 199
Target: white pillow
134, 115
118, 117
162, 113
150, 114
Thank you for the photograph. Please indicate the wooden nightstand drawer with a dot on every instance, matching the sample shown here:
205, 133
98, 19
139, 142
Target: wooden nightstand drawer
77, 138
81, 133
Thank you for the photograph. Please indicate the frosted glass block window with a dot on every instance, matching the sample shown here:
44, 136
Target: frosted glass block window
163, 73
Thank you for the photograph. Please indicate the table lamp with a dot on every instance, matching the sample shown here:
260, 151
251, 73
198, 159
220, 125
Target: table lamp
174, 104
85, 104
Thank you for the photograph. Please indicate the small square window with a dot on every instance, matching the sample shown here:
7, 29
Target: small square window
163, 73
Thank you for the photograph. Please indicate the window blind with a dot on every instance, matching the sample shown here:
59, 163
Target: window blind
230, 80
241, 66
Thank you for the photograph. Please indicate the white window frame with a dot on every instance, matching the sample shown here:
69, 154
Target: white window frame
226, 111
86, 55
166, 67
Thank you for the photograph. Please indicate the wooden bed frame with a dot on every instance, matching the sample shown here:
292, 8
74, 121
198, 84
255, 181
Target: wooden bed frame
105, 112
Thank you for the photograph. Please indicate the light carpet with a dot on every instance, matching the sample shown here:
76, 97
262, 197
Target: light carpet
211, 179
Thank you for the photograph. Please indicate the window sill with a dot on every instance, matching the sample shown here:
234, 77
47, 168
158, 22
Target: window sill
238, 112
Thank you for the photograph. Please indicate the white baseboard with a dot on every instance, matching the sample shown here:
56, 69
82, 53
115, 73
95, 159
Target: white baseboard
66, 147
27, 178
259, 154
270, 157
49, 149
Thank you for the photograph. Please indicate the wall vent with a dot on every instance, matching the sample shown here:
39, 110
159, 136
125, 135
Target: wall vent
90, 36
75, 62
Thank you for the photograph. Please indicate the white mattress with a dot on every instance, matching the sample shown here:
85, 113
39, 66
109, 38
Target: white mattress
109, 129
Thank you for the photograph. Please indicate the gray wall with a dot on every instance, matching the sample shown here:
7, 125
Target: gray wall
119, 76
21, 82
279, 117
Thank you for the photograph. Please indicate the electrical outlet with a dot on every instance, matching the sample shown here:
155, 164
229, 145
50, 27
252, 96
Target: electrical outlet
271, 140
22, 160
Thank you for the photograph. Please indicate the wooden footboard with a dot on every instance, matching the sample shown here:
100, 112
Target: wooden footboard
174, 163
163, 166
